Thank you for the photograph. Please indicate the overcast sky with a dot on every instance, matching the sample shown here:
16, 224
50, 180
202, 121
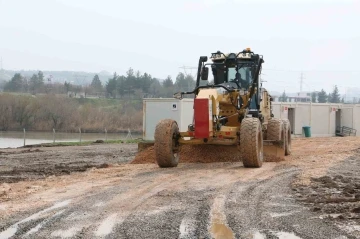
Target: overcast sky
320, 38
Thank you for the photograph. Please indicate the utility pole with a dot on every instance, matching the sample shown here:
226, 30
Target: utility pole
301, 81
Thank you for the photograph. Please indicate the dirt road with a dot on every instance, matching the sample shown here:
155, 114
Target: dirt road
312, 194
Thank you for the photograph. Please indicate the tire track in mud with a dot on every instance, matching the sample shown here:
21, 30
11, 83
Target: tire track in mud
90, 211
192, 201
266, 209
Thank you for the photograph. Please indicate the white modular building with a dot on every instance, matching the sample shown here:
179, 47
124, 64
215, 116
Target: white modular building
324, 119
156, 109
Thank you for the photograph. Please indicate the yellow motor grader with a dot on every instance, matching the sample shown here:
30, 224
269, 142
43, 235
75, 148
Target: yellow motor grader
232, 110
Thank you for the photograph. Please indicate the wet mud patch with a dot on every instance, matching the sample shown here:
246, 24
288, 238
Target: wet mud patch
36, 172
33, 164
335, 196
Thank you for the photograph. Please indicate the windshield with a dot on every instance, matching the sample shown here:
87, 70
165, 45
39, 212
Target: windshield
245, 76
222, 74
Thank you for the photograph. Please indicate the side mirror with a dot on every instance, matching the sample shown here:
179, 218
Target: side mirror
203, 58
178, 96
204, 73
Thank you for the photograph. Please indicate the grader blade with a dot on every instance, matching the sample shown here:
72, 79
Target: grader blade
273, 150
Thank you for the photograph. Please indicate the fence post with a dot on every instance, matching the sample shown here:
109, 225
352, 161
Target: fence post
80, 134
53, 136
129, 134
24, 136
105, 135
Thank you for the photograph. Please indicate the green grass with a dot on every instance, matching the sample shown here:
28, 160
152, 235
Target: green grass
84, 143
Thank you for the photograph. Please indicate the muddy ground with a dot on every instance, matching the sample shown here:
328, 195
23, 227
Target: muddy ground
97, 192
39, 163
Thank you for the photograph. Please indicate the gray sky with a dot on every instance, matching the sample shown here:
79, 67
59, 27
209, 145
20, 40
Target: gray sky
318, 37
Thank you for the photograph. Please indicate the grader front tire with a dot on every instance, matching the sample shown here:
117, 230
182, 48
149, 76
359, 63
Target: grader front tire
287, 132
166, 148
251, 143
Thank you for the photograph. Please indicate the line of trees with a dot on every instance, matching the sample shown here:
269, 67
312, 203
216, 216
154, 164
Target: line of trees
48, 106
132, 85
135, 84
320, 97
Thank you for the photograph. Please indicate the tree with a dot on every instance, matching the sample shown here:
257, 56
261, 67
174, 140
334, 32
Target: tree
313, 97
36, 83
322, 96
15, 84
184, 82
283, 97
33, 84
155, 88
96, 83
67, 87
335, 96
168, 82
41, 76
111, 86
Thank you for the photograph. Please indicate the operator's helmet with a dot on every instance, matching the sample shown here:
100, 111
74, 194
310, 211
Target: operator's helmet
238, 76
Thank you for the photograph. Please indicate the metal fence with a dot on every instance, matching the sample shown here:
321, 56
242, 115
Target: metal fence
129, 136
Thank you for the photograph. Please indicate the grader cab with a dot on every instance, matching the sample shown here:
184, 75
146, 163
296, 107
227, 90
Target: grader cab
233, 110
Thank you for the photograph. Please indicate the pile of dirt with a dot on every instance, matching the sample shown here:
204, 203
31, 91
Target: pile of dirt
194, 154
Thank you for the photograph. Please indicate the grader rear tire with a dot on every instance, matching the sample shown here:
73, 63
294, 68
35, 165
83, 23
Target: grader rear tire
251, 143
274, 129
166, 150
287, 132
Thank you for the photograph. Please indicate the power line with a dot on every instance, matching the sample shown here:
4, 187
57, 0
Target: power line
319, 71
301, 81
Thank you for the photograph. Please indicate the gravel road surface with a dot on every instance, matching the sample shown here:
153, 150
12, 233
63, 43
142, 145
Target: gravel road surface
314, 193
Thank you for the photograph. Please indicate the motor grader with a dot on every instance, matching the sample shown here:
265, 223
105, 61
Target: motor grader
233, 110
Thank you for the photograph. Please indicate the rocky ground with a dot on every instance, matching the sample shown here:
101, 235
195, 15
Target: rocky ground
107, 191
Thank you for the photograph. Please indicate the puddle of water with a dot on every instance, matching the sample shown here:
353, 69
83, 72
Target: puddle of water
218, 227
107, 225
221, 231
13, 229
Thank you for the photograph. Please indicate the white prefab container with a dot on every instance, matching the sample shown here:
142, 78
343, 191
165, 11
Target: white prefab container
321, 117
155, 110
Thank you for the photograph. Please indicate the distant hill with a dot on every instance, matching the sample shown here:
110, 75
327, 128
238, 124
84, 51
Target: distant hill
74, 77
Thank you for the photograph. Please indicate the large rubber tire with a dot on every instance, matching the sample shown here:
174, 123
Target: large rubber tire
287, 133
274, 129
251, 143
166, 150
